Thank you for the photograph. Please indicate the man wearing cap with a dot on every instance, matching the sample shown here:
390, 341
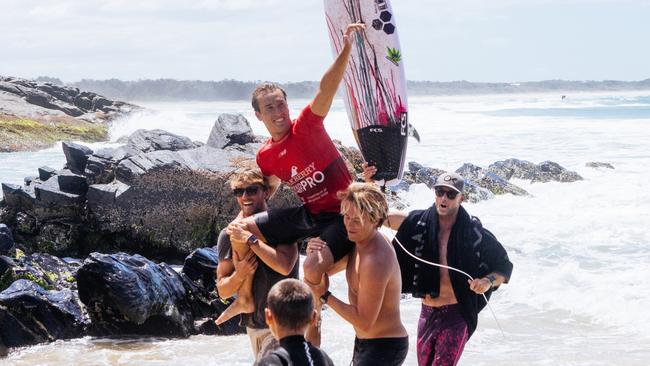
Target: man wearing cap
446, 234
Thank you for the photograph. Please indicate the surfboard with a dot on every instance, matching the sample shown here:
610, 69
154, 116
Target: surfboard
374, 83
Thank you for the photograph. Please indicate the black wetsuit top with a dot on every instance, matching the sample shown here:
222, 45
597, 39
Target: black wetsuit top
295, 350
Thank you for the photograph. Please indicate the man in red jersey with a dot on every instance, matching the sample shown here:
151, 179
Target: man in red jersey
301, 154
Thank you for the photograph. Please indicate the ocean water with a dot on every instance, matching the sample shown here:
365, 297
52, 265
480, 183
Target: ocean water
581, 251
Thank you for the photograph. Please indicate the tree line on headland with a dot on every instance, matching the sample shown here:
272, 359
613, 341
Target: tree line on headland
225, 90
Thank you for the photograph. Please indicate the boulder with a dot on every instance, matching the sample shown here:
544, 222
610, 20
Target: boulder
70, 182
45, 173
30, 314
52, 202
513, 168
132, 295
201, 267
230, 129
485, 184
548, 171
76, 156
17, 196
154, 140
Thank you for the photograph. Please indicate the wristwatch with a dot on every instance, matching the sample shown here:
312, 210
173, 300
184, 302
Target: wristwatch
252, 240
492, 278
325, 296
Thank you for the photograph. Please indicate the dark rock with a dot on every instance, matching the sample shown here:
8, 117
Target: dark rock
39, 98
595, 164
470, 171
99, 170
133, 295
154, 140
428, 176
69, 110
230, 129
57, 92
101, 166
10, 88
46, 270
7, 245
514, 168
17, 196
353, 157
201, 266
83, 102
30, 315
76, 156
100, 103
551, 171
70, 182
49, 193
45, 173
414, 166
484, 184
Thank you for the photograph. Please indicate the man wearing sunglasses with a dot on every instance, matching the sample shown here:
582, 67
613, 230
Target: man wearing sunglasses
446, 234
249, 268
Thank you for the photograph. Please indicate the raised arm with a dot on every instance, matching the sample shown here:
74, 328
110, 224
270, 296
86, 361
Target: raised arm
332, 78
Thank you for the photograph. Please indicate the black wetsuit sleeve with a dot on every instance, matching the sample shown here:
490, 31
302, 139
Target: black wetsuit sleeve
327, 360
495, 255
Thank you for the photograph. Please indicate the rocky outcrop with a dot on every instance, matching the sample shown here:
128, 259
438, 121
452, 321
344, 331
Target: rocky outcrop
70, 101
36, 115
546, 171
482, 184
44, 298
158, 195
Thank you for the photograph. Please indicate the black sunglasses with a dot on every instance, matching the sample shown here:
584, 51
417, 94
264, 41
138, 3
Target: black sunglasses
450, 194
250, 190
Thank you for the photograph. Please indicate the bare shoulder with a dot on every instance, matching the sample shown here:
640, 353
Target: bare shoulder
380, 258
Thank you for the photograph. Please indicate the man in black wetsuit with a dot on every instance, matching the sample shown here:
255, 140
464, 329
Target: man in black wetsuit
289, 311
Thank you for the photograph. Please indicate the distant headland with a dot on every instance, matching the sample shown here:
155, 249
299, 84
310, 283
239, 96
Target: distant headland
225, 90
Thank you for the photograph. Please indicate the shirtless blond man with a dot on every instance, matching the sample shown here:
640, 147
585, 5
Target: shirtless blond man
374, 281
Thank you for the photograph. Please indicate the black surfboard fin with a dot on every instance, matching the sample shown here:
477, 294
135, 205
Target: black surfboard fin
414, 133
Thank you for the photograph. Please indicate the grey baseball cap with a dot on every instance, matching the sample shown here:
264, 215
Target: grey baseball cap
451, 180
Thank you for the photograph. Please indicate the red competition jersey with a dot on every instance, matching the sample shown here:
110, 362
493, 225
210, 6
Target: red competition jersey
307, 160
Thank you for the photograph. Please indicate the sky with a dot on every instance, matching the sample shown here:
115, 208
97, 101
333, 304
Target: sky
286, 40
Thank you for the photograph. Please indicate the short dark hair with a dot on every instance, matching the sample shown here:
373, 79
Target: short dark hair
263, 89
291, 303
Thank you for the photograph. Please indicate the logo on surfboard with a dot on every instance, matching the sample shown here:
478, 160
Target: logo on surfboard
394, 55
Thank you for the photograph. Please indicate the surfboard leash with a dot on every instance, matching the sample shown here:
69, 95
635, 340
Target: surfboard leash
453, 269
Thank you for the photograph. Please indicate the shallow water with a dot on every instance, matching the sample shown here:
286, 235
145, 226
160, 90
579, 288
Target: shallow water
581, 250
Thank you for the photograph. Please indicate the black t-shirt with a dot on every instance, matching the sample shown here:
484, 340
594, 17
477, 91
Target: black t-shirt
299, 353
264, 279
